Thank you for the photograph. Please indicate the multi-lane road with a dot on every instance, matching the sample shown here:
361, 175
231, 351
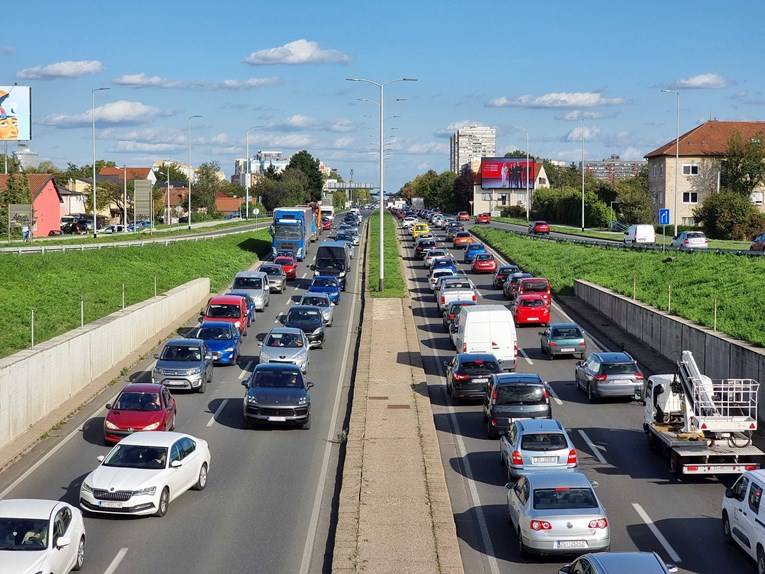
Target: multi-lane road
648, 508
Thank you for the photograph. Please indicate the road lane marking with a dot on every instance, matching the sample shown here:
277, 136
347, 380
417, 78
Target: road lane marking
659, 536
246, 371
215, 416
525, 356
595, 450
554, 395
116, 562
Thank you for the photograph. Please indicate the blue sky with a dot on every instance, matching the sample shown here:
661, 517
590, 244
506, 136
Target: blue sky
282, 66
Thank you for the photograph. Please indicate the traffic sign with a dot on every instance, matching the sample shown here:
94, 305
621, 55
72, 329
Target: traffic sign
664, 217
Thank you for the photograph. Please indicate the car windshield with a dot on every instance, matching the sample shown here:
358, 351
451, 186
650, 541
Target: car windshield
283, 261
315, 301
532, 303
302, 317
181, 353
484, 256
289, 340
137, 401
535, 286
566, 333
271, 270
23, 534
516, 393
564, 498
137, 456
330, 263
276, 379
479, 367
620, 369
214, 333
223, 311
543, 441
324, 283
248, 283
460, 285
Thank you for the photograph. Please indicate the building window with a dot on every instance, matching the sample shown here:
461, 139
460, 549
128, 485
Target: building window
486, 196
691, 169
542, 181
690, 197
503, 199
689, 221
661, 169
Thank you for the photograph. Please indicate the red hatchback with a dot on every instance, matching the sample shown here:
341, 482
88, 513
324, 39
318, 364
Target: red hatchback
463, 216
483, 218
484, 263
288, 264
539, 228
326, 223
529, 309
139, 407
230, 308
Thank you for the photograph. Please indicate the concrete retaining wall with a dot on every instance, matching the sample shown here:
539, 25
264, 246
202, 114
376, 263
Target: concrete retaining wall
36, 381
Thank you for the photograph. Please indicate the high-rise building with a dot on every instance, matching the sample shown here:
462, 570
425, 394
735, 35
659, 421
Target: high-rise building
471, 143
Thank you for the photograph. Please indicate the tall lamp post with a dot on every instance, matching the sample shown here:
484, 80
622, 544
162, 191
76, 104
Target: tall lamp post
93, 118
528, 202
191, 169
582, 173
380, 281
247, 173
612, 213
677, 148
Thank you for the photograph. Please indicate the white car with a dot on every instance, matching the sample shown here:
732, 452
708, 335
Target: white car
690, 240
432, 254
40, 536
145, 472
408, 221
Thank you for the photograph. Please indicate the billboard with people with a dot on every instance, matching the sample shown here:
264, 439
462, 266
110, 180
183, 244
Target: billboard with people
15, 113
506, 173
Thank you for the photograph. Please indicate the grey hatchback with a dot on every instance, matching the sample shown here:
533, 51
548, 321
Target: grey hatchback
609, 375
538, 445
514, 396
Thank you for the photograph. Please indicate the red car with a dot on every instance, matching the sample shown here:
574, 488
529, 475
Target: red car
484, 263
463, 216
539, 228
326, 223
288, 264
230, 308
530, 309
139, 407
483, 218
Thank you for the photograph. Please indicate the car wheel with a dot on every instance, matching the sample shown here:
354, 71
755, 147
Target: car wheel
760, 560
521, 546
307, 424
202, 480
80, 560
172, 426
203, 387
591, 396
491, 432
726, 528
164, 502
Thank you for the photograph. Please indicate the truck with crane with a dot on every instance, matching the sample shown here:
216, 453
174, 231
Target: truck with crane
701, 426
291, 230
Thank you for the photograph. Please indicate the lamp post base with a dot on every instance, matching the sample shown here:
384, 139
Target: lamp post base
380, 285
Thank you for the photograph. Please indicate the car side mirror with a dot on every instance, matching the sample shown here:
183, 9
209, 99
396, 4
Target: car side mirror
156, 355
176, 464
594, 484
260, 343
100, 458
309, 385
108, 406
509, 485
671, 568
209, 356
245, 383
217, 355
565, 569
729, 493
63, 541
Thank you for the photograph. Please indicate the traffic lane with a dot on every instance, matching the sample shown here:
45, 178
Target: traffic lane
554, 235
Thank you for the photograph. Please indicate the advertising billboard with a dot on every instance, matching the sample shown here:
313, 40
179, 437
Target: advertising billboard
506, 173
15, 113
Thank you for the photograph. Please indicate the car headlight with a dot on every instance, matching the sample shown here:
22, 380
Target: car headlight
237, 324
196, 371
152, 426
111, 425
229, 350
145, 491
317, 331
302, 401
252, 400
341, 274
86, 487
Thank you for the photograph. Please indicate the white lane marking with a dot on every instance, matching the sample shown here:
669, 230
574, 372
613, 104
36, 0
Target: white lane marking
215, 416
303, 275
659, 536
595, 450
525, 356
245, 371
554, 395
116, 562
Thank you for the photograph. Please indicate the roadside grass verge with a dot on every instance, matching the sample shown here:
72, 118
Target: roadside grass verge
696, 279
52, 284
393, 280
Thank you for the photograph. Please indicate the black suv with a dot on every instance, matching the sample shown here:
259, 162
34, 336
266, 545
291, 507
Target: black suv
467, 375
308, 319
514, 396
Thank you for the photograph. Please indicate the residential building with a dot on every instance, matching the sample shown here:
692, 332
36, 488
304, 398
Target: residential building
46, 202
72, 202
227, 204
700, 152
613, 168
470, 143
488, 200
118, 173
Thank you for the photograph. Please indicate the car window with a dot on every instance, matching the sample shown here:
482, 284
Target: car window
168, 397
219, 333
567, 333
582, 566
175, 452
755, 494
521, 490
136, 456
515, 393
276, 379
739, 489
543, 441
187, 446
223, 311
535, 286
620, 369
563, 498
181, 353
248, 283
289, 340
479, 367
532, 303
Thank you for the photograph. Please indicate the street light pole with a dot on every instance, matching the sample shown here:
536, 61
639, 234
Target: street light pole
247, 173
582, 173
380, 281
124, 201
93, 118
612, 212
191, 169
528, 202
677, 147
169, 219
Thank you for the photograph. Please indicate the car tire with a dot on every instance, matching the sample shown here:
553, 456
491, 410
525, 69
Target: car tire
164, 503
491, 432
172, 426
202, 479
80, 560
592, 397
522, 552
726, 528
203, 387
307, 424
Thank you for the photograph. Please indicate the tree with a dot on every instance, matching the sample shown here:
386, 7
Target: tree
306, 163
177, 175
205, 187
729, 215
463, 189
743, 167
634, 201
338, 199
16, 191
279, 193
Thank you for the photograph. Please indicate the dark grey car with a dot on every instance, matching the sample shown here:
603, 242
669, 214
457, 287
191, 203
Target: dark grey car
277, 394
514, 396
184, 364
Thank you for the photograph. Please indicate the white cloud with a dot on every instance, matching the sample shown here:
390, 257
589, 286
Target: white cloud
343, 143
428, 148
575, 135
7, 50
68, 69
132, 146
219, 139
143, 81
577, 115
341, 126
297, 52
449, 130
632, 153
557, 100
703, 82
114, 113
291, 141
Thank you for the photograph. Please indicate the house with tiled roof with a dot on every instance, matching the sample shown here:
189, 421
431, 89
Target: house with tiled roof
46, 202
700, 153
119, 173
488, 200
227, 204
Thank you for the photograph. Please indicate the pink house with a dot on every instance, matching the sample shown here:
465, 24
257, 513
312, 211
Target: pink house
46, 202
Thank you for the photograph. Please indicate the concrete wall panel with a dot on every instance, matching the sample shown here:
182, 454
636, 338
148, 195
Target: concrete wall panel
716, 357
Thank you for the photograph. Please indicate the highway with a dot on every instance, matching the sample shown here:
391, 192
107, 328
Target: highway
648, 508
267, 505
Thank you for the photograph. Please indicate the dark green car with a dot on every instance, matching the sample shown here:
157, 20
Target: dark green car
563, 339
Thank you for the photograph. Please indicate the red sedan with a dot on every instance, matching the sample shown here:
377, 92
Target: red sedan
529, 309
484, 263
139, 407
288, 264
539, 228
463, 216
483, 218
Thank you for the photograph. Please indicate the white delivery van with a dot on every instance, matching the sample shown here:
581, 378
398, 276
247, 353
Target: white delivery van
642, 234
488, 329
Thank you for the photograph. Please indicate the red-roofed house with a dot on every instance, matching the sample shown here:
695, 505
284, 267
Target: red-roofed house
700, 153
488, 200
227, 204
118, 173
46, 202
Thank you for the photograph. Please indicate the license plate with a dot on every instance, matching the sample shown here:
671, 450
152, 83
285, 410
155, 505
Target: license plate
567, 350
277, 419
533, 319
480, 380
543, 459
109, 504
570, 544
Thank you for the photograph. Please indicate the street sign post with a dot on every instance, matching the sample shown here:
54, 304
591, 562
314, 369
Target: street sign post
664, 221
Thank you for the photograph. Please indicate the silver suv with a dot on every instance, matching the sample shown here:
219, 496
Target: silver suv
184, 364
255, 284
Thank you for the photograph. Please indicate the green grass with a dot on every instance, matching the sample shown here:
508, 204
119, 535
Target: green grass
696, 279
52, 284
393, 280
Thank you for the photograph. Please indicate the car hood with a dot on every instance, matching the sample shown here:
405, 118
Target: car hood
121, 478
22, 561
318, 289
305, 328
135, 419
221, 344
178, 365
277, 396
283, 352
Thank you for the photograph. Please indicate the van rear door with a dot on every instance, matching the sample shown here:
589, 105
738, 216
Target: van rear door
503, 342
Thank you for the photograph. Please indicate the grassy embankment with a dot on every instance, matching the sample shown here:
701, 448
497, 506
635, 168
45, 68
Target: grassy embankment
696, 279
393, 280
52, 284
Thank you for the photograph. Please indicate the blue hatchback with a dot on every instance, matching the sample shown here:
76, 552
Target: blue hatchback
326, 284
221, 337
472, 250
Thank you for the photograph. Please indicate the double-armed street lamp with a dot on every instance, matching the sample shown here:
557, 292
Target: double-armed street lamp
247, 172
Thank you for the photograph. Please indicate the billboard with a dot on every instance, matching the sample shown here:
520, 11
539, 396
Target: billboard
506, 173
15, 113
142, 201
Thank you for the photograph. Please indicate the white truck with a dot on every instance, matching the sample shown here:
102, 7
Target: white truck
702, 426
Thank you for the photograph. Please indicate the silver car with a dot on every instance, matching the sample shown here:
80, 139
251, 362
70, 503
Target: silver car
322, 301
557, 513
285, 345
255, 284
536, 445
690, 240
619, 563
277, 279
184, 364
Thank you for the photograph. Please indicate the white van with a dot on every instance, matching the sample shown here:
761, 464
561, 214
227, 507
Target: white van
487, 329
642, 234
743, 514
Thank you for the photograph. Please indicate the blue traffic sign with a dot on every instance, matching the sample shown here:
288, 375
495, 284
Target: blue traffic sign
664, 217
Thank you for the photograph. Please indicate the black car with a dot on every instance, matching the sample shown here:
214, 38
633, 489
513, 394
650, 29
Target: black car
502, 273
308, 319
277, 393
514, 396
422, 247
508, 287
467, 375
452, 310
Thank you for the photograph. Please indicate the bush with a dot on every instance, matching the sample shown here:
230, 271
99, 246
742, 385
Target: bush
729, 215
514, 211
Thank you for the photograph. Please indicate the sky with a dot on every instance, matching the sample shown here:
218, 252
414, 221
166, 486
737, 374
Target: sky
277, 70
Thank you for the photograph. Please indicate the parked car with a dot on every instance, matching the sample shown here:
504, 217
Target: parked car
562, 339
609, 375
230, 308
510, 287
467, 375
690, 240
483, 218
557, 513
758, 243
472, 250
743, 515
502, 273
462, 239
463, 216
255, 284
139, 407
278, 395
40, 536
223, 340
326, 284
308, 319
514, 396
114, 229
286, 345
619, 563
530, 309
323, 302
484, 263
144, 472
184, 364
289, 265
539, 228
537, 445
277, 279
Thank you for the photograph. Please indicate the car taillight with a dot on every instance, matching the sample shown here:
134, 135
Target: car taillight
685, 241
541, 525
517, 458
599, 523
443, 299
553, 344
464, 347
547, 395
582, 343
473, 296
639, 376
571, 457
600, 377
461, 377
494, 395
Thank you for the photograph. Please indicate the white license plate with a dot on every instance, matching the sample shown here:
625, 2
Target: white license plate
543, 459
277, 419
109, 504
480, 380
570, 544
533, 319
567, 350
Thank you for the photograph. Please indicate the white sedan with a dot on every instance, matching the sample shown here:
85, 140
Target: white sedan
40, 536
144, 472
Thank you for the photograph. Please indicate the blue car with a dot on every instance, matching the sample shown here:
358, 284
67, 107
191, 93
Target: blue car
251, 311
326, 284
221, 337
472, 250
444, 264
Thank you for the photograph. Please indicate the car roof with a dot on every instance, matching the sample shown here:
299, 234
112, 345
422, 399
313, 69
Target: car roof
186, 342
628, 562
539, 425
510, 378
564, 326
28, 508
268, 367
249, 274
617, 357
285, 331
315, 294
165, 438
325, 277
219, 324
304, 308
226, 300
270, 266
476, 357
143, 387
530, 297
555, 479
